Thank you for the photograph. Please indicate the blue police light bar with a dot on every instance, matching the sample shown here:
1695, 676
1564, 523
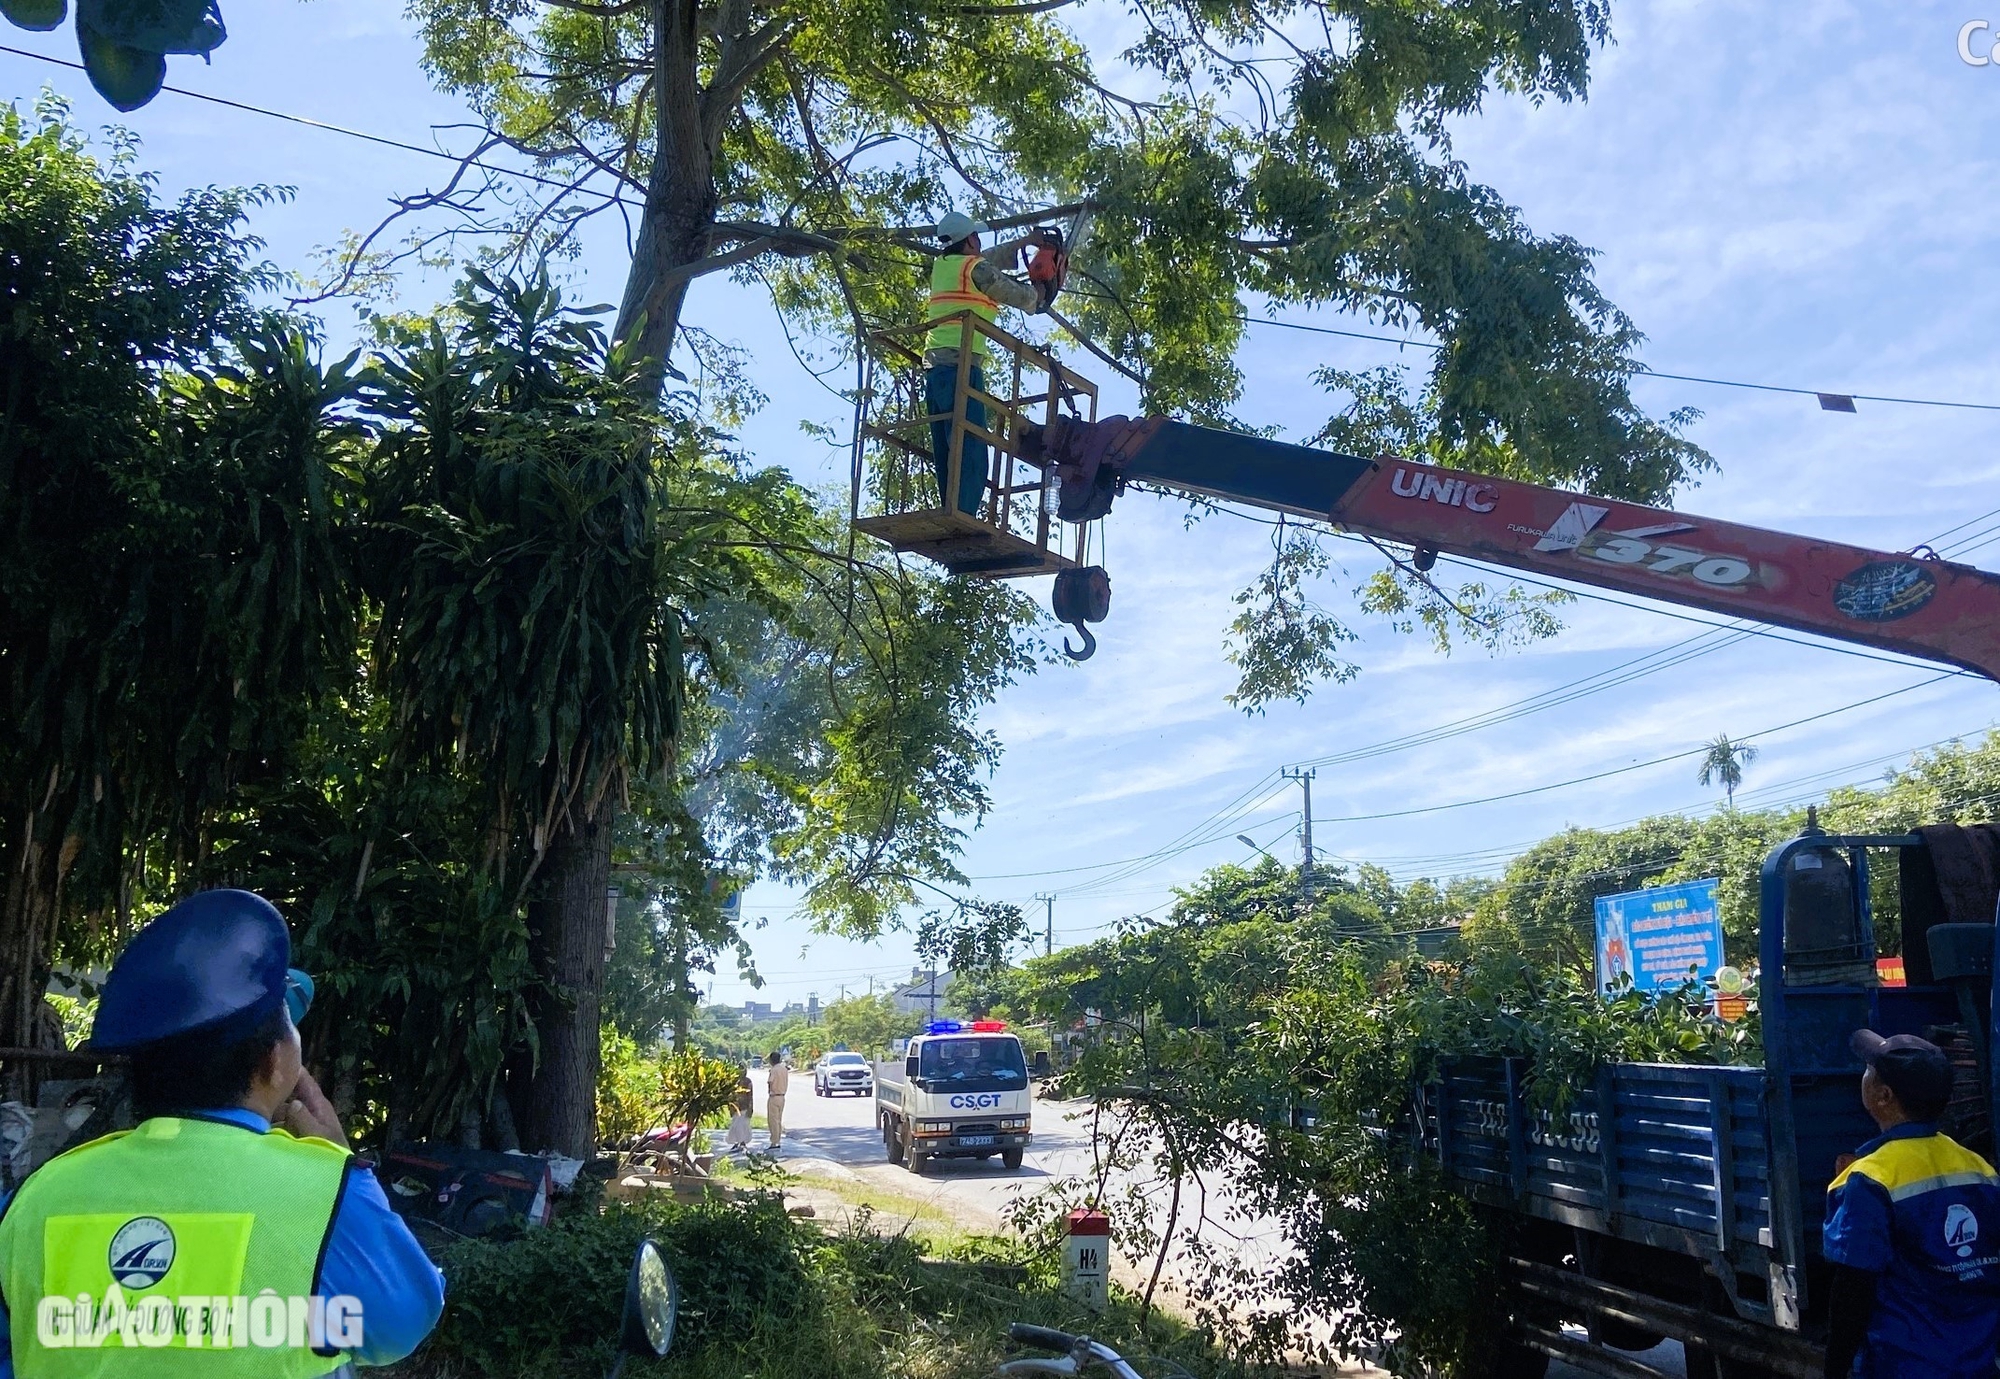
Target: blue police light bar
944, 1027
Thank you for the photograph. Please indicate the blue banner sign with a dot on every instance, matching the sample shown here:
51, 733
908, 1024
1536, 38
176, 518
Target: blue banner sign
1657, 935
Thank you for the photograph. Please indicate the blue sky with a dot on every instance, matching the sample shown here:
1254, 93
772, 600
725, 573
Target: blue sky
1797, 195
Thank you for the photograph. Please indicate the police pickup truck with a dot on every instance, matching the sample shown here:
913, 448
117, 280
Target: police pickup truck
959, 1092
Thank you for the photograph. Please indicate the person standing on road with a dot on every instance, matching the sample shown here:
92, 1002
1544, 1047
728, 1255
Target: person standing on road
774, 1099
1912, 1230
739, 1119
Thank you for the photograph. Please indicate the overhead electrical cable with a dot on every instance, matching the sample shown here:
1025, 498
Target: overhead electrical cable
1641, 372
1635, 766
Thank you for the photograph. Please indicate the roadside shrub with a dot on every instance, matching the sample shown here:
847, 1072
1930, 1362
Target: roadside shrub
768, 1296
524, 1305
696, 1087
630, 1099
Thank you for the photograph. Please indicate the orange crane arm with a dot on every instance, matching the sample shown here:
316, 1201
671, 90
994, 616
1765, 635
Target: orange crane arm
1921, 606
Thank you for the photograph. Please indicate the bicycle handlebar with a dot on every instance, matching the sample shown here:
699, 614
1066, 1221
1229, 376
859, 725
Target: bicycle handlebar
1042, 1337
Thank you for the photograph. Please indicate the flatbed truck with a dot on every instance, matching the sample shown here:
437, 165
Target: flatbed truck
960, 1091
1686, 1201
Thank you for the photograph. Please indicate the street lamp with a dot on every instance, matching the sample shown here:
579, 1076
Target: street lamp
1251, 843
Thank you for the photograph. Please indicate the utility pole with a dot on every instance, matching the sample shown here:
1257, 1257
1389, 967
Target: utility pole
1049, 925
1304, 776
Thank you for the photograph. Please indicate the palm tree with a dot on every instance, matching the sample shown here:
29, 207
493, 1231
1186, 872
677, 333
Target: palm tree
1724, 761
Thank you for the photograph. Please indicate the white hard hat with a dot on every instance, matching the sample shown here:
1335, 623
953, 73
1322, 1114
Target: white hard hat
957, 225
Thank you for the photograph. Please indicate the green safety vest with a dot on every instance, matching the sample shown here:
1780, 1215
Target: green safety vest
171, 1234
951, 293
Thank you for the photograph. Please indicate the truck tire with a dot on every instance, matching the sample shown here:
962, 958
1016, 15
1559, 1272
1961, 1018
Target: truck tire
1012, 1158
892, 1141
914, 1159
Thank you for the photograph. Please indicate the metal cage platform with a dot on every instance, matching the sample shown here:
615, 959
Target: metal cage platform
1015, 532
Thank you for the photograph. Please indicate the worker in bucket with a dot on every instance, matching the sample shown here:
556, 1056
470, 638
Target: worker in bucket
962, 279
1912, 1230
233, 1219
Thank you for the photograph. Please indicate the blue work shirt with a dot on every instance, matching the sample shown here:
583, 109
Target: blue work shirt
1922, 1213
370, 1256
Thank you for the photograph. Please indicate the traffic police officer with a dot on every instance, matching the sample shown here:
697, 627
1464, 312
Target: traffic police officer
231, 1232
1912, 1230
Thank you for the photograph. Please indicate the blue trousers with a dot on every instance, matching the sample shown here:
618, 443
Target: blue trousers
940, 383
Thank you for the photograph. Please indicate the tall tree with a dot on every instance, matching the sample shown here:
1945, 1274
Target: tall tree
1723, 760
1297, 151
176, 511
522, 552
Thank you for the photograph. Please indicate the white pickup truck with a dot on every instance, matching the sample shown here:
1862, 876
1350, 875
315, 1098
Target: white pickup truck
960, 1092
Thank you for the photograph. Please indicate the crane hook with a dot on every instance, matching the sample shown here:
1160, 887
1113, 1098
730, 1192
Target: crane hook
1082, 594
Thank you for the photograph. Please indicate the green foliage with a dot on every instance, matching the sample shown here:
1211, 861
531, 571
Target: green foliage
177, 475
523, 553
695, 1086
766, 1295
1546, 904
868, 1024
1283, 644
885, 788
1238, 155
1245, 1008
743, 1268
629, 1094
974, 937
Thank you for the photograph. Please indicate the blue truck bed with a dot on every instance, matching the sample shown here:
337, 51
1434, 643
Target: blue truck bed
1681, 1163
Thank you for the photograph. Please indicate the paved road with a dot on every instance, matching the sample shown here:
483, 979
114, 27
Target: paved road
838, 1134
841, 1130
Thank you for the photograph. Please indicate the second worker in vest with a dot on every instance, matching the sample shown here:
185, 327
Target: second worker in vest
233, 1220
961, 280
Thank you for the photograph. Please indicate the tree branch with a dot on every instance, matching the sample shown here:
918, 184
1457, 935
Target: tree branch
1002, 11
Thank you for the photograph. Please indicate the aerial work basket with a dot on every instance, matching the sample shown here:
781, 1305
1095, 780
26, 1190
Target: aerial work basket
1012, 530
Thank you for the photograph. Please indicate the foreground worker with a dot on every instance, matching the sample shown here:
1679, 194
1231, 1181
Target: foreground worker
233, 1219
1913, 1230
960, 280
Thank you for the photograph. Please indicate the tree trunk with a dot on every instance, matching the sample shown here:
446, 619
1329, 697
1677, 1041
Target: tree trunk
566, 941
27, 929
681, 197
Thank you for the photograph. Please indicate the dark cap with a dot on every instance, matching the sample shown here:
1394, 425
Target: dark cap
218, 962
1916, 1070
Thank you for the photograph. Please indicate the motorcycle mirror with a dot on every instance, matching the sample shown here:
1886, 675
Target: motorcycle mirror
651, 1300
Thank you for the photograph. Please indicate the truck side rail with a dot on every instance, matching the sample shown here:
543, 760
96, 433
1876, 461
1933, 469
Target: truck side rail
1672, 1156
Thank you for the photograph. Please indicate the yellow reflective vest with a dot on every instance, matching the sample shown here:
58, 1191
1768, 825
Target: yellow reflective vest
181, 1248
951, 293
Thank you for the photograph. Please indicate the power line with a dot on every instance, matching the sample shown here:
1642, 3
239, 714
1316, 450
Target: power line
1412, 865
1635, 766
343, 130
1642, 370
1132, 866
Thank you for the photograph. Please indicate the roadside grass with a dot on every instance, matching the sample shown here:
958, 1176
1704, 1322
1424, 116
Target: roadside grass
765, 1295
929, 1220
